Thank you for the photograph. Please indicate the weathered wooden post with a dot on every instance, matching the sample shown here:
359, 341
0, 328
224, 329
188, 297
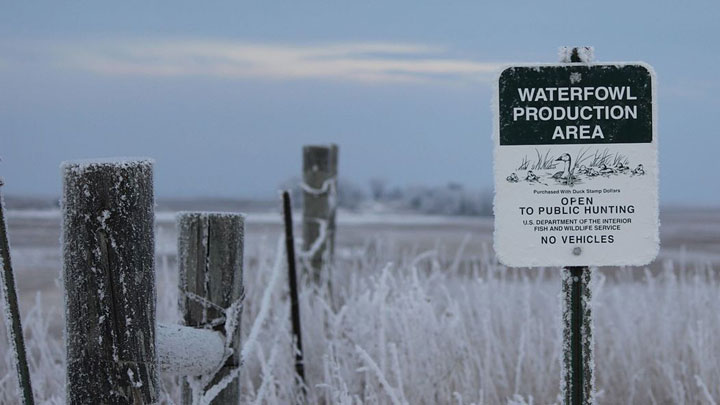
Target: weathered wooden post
578, 341
320, 168
210, 255
12, 312
108, 273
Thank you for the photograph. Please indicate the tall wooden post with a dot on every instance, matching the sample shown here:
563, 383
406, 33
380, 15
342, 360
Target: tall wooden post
109, 278
320, 169
210, 256
12, 312
577, 379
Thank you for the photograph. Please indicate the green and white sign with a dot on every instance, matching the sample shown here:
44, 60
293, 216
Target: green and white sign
576, 173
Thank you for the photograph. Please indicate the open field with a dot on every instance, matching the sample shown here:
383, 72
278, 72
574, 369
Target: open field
422, 313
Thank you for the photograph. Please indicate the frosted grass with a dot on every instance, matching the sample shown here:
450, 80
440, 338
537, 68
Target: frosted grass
429, 327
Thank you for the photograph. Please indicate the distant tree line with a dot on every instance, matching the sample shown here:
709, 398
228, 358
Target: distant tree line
450, 199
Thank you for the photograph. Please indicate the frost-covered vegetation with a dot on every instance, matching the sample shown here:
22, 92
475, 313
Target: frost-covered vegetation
404, 326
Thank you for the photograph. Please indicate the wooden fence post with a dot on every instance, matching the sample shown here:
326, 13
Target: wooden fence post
109, 278
210, 256
320, 169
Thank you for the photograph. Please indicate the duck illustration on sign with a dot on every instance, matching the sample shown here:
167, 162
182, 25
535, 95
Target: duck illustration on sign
586, 166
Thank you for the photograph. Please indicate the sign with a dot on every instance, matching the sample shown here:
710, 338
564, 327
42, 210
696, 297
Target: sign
576, 172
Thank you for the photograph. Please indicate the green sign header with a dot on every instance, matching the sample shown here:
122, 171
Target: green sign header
575, 104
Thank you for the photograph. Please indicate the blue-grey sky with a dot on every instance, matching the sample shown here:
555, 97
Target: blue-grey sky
223, 94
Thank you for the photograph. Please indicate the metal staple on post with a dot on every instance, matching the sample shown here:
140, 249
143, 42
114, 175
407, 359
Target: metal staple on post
109, 279
210, 256
320, 169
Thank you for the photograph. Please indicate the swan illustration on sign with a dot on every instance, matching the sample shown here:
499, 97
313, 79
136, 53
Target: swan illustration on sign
567, 170
565, 174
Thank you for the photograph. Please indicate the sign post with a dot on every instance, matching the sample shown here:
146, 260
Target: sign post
578, 374
576, 178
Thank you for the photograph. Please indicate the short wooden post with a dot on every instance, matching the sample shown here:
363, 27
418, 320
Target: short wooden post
320, 169
109, 278
577, 378
210, 255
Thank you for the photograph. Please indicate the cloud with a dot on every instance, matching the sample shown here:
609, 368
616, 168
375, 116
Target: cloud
379, 62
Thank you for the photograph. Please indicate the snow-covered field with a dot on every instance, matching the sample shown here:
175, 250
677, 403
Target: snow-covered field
423, 314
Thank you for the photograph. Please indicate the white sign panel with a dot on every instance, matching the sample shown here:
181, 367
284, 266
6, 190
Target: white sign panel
576, 172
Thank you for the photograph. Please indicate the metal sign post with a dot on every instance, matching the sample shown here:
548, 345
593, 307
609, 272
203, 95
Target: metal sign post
578, 378
13, 324
292, 282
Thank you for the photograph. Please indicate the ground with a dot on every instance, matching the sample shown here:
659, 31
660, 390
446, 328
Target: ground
420, 312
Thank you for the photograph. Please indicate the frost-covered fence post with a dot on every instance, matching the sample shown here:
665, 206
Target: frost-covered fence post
12, 312
578, 373
109, 278
210, 255
320, 167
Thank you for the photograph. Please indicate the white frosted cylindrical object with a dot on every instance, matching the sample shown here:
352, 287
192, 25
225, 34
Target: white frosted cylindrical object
187, 351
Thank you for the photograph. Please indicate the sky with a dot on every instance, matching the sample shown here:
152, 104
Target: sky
224, 94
